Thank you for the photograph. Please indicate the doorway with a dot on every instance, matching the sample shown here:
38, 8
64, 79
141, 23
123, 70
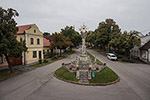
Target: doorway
40, 55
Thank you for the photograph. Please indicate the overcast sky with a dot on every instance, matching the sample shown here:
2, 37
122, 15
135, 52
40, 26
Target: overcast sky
53, 15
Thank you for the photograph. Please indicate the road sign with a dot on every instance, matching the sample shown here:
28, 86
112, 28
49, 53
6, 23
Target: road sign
93, 74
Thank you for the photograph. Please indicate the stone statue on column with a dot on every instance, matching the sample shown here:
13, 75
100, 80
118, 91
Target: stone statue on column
83, 30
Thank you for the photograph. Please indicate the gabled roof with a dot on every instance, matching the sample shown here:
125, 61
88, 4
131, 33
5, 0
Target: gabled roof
146, 46
21, 29
48, 37
46, 43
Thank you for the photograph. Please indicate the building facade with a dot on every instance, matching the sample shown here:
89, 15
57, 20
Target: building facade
46, 46
33, 38
143, 51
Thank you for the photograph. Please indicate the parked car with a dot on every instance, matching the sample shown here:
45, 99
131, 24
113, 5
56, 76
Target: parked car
111, 56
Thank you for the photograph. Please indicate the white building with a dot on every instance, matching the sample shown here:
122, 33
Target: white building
143, 51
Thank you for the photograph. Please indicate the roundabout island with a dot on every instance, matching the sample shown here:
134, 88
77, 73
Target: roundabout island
86, 69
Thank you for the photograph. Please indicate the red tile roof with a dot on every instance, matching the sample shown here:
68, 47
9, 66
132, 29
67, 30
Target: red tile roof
46, 43
21, 29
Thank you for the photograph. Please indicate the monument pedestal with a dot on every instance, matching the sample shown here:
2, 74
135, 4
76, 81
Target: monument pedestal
83, 66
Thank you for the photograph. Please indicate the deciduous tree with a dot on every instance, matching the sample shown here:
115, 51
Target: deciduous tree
72, 35
60, 41
9, 46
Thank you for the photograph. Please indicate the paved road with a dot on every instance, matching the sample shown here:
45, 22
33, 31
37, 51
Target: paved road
40, 84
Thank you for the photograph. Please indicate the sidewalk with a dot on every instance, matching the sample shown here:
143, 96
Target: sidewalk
20, 68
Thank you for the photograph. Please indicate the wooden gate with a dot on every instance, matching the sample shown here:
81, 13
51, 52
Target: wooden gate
15, 61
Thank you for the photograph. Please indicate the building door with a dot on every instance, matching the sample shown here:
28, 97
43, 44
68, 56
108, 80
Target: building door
40, 54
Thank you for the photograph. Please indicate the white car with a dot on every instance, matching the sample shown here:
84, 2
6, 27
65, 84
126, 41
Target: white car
111, 56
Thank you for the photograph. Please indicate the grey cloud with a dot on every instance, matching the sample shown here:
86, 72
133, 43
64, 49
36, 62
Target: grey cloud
52, 15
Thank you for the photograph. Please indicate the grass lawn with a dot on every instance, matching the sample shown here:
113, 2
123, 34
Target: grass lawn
105, 76
126, 59
93, 58
66, 75
49, 61
69, 52
5, 74
100, 51
53, 60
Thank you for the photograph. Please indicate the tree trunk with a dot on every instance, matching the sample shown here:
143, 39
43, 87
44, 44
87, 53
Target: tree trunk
108, 48
52, 51
128, 54
9, 66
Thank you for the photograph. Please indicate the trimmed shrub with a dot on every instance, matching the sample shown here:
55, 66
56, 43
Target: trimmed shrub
45, 61
40, 61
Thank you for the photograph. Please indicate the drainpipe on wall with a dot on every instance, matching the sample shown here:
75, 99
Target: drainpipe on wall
42, 49
25, 53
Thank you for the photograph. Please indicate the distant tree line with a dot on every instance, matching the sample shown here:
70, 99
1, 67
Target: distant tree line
108, 36
66, 38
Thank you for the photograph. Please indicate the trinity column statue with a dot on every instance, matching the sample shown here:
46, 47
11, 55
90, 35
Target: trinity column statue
83, 30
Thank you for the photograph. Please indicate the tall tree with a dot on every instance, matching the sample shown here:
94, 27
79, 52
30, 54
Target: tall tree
60, 41
106, 31
131, 40
117, 42
91, 38
72, 35
9, 46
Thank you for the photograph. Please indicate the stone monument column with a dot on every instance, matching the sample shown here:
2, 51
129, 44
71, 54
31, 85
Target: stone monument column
83, 30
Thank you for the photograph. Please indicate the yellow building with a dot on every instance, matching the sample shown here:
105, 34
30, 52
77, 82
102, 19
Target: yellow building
34, 42
46, 46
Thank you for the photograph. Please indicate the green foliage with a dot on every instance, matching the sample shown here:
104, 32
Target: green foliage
108, 35
72, 35
66, 75
126, 60
131, 40
105, 76
59, 41
40, 61
54, 58
68, 52
9, 46
45, 61
105, 32
93, 58
43, 64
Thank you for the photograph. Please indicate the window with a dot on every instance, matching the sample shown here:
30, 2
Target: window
31, 41
38, 41
47, 51
43, 51
34, 54
21, 39
34, 30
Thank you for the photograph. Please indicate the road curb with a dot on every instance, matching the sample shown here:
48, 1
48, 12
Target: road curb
90, 84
